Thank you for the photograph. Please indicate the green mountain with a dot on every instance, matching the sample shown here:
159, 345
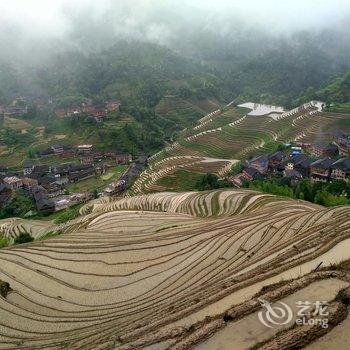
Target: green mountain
336, 94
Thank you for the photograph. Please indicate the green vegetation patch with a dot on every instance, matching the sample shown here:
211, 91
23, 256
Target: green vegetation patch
23, 237
97, 182
68, 214
181, 180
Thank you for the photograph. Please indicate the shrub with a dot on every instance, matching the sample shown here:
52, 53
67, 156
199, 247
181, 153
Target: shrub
69, 214
24, 237
4, 241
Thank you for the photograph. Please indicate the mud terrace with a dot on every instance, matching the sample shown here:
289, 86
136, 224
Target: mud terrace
170, 270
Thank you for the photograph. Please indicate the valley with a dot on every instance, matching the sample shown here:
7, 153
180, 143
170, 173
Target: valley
174, 175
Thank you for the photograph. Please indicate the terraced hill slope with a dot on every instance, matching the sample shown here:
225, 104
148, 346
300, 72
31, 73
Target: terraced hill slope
225, 136
166, 270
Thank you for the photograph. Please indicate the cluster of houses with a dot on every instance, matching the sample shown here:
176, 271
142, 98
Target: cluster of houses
294, 168
85, 153
16, 108
47, 183
96, 112
43, 183
333, 163
340, 146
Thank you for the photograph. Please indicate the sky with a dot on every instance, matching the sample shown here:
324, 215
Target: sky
26, 23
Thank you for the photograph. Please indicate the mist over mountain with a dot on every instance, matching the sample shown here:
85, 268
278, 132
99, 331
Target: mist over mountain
253, 48
49, 27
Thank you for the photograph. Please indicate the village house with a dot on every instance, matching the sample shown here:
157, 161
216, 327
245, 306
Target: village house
302, 145
81, 197
47, 182
88, 109
47, 153
57, 149
99, 114
67, 153
62, 181
298, 162
342, 142
324, 150
5, 199
3, 170
84, 148
87, 173
43, 204
115, 188
341, 169
125, 158
13, 183
86, 104
260, 163
28, 167
321, 169
82, 172
112, 106
39, 171
293, 176
87, 159
2, 185
250, 174
52, 188
100, 169
59, 170
29, 185
15, 110
275, 161
74, 110
60, 113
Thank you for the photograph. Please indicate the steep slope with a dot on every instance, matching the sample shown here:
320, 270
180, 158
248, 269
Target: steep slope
138, 271
225, 136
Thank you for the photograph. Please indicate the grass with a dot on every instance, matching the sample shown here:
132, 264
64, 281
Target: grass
68, 214
4, 240
181, 180
50, 234
179, 111
15, 124
340, 108
98, 183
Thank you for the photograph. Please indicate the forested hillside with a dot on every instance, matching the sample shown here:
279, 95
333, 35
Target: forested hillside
160, 93
164, 89
336, 94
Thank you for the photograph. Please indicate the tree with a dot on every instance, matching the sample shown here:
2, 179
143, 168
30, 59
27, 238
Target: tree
23, 237
31, 152
208, 182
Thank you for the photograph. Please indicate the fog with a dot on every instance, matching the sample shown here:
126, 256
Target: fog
32, 28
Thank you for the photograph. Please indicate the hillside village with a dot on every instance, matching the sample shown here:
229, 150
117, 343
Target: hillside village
174, 175
97, 112
318, 162
48, 184
49, 178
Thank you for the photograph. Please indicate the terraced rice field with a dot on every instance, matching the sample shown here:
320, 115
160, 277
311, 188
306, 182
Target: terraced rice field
249, 330
182, 112
231, 135
132, 273
149, 179
14, 227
